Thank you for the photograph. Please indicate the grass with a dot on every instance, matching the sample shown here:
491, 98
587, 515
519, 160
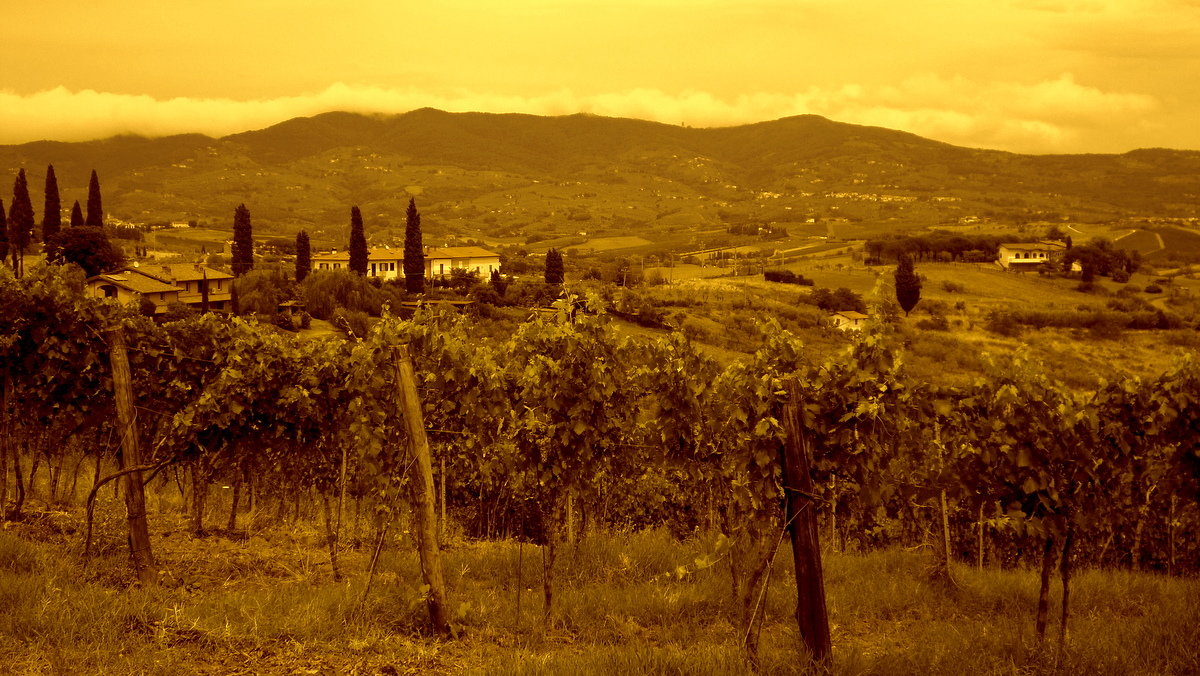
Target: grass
630, 603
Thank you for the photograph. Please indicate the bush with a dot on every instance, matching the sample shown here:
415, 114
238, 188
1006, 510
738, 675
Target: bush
305, 320
953, 287
1119, 275
786, 277
354, 322
1003, 323
934, 323
1153, 288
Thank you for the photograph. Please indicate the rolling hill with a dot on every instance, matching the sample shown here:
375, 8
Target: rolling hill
522, 177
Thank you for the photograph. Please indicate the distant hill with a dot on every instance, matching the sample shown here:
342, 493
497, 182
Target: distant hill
525, 177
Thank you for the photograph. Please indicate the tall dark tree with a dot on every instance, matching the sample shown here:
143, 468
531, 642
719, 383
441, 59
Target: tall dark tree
76, 215
95, 210
554, 267
303, 256
52, 211
908, 285
358, 244
20, 223
414, 251
243, 242
3, 233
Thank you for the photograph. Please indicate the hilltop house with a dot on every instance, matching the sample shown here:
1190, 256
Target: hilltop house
386, 263
1028, 255
849, 320
165, 284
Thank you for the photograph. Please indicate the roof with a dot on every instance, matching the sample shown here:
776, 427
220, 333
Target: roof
1033, 246
183, 272
461, 252
852, 314
135, 281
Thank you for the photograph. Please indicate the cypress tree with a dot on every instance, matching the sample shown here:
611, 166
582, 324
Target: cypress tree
303, 256
358, 243
76, 215
243, 242
3, 233
95, 212
554, 267
20, 223
908, 284
52, 211
414, 251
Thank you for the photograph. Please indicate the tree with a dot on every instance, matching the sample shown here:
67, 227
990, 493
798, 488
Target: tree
87, 247
358, 244
554, 267
76, 215
95, 211
52, 210
908, 285
414, 251
243, 241
303, 256
20, 223
3, 233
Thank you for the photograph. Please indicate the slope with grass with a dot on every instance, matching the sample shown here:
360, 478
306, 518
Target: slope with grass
264, 603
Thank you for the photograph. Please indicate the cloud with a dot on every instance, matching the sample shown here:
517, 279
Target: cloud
1058, 115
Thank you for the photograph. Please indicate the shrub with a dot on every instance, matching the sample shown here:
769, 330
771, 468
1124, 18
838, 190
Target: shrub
354, 322
1153, 288
1119, 275
953, 287
1003, 323
934, 323
305, 320
786, 277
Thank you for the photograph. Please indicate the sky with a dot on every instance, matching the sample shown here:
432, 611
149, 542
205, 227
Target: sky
1036, 76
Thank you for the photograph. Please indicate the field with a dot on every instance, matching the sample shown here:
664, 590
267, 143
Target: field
262, 601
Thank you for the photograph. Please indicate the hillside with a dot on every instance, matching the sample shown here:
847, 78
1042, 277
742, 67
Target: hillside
522, 177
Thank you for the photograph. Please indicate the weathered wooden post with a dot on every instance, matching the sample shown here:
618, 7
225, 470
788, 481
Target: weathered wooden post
424, 491
812, 617
135, 498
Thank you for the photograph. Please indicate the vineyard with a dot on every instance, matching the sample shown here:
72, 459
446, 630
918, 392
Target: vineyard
565, 433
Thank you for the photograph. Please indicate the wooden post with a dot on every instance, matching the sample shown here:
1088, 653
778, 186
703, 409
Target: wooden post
5, 435
812, 616
423, 490
135, 498
442, 504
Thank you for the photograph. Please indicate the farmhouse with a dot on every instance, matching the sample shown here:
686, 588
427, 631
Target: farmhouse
191, 278
165, 284
440, 262
382, 262
130, 286
849, 320
1028, 255
386, 263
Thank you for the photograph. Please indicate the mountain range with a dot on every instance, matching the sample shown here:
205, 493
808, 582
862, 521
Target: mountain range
513, 177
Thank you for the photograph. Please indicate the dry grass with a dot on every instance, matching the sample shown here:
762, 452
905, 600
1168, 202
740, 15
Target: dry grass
632, 603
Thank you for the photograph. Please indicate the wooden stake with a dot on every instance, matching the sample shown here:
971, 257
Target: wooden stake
135, 498
423, 490
812, 616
